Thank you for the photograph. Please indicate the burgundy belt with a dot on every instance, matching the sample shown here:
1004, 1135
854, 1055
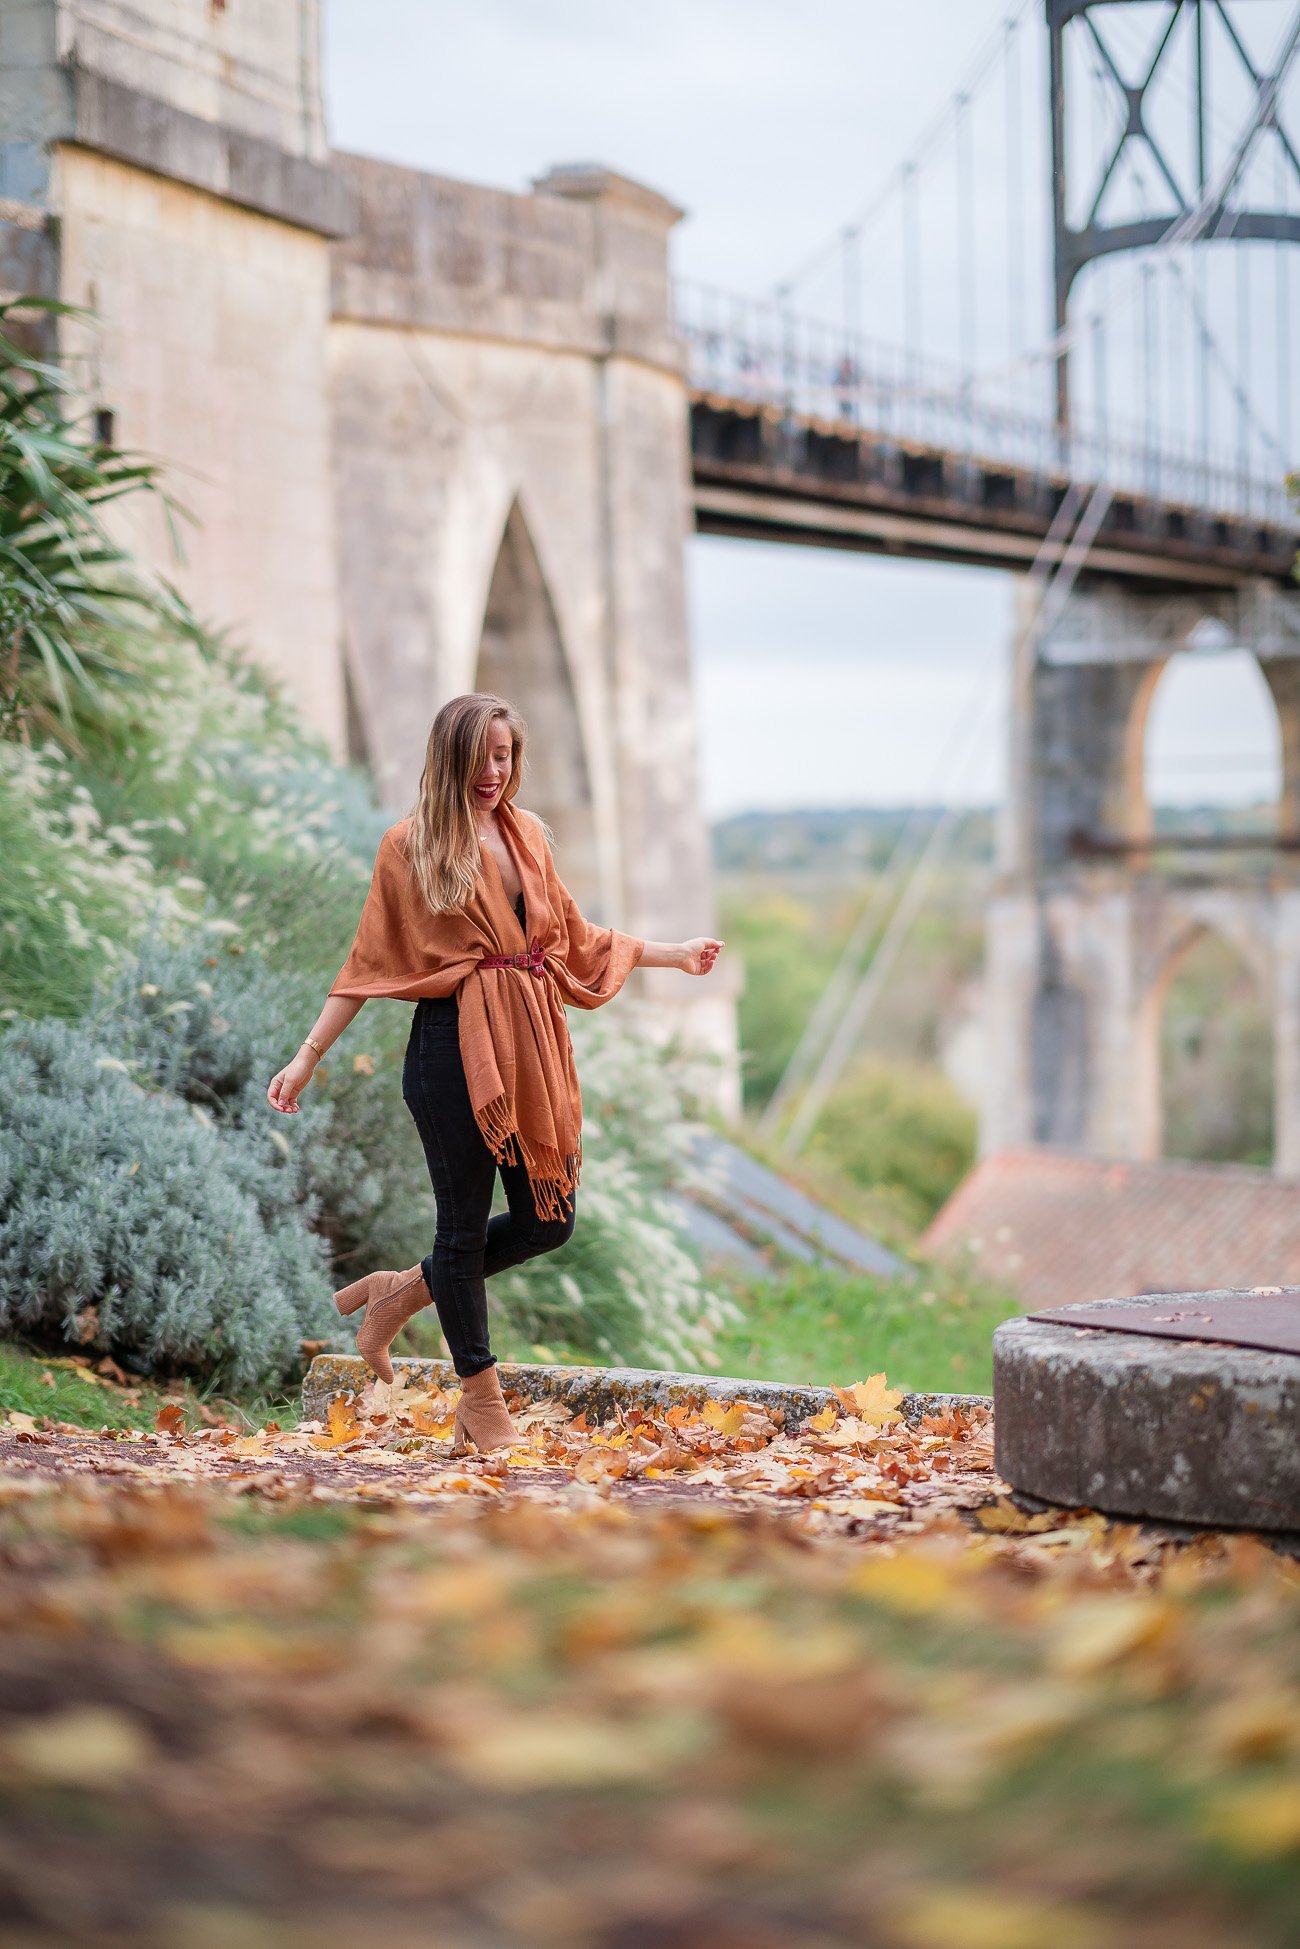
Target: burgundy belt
534, 960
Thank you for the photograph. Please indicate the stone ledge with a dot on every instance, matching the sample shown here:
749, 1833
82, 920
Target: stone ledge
1178, 1430
132, 127
602, 1391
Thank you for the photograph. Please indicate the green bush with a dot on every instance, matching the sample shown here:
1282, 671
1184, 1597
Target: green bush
212, 1022
130, 1220
73, 895
197, 801
899, 1128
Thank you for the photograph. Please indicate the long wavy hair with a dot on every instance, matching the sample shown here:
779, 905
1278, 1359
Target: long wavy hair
443, 843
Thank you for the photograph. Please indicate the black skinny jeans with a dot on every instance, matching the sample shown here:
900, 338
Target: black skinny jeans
469, 1246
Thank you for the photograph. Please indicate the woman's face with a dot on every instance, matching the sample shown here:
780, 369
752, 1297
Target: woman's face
494, 774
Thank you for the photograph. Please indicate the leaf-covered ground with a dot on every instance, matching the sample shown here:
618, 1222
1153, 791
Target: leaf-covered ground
671, 1683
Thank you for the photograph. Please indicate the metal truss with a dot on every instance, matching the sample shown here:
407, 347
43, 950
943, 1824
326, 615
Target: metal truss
1208, 199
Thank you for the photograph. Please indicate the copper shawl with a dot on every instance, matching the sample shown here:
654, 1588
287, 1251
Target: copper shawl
514, 1037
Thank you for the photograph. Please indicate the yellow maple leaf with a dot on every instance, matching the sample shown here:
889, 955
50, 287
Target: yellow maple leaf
872, 1400
341, 1425
819, 1423
728, 1420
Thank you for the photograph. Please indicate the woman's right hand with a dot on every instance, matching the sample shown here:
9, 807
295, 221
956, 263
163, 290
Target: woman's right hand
284, 1088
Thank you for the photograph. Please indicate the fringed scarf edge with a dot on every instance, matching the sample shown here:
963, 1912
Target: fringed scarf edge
552, 1176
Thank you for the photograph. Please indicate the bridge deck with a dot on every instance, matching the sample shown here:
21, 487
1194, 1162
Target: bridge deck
768, 475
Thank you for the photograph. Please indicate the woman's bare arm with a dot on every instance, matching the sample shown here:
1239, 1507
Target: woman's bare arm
338, 1010
692, 957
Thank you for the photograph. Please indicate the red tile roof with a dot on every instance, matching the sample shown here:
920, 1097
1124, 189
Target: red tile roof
1055, 1228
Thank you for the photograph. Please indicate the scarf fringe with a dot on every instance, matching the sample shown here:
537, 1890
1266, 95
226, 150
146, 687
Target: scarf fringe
552, 1177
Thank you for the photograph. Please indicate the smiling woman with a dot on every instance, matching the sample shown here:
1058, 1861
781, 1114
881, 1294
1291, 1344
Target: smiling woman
467, 917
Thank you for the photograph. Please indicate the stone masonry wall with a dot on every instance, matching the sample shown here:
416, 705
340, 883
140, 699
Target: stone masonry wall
212, 355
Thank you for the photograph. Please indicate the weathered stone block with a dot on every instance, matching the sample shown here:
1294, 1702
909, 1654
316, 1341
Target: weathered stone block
1183, 1430
602, 1391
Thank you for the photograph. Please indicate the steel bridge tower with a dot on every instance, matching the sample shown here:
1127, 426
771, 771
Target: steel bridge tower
1094, 911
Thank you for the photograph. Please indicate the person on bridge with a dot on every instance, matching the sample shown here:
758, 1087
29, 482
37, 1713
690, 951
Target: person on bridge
467, 917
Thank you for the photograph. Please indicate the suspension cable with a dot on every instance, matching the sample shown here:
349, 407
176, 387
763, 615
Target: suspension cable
1282, 293
912, 272
873, 208
1016, 192
965, 232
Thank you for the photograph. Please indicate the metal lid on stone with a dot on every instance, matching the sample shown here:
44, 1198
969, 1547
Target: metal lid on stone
1262, 1316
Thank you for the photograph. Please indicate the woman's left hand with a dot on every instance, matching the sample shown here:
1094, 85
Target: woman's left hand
698, 956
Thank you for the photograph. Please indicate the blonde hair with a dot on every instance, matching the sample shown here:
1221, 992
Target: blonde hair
443, 843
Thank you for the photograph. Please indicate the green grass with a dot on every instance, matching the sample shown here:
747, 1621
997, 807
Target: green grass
823, 1327
71, 1393
49, 1386
814, 1325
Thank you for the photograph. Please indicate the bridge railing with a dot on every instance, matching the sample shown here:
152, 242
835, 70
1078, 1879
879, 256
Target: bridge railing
758, 351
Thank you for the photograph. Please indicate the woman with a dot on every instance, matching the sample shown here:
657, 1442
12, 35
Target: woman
467, 917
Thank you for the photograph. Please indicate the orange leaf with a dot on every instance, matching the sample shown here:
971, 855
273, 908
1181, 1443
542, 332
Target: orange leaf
1004, 1519
597, 1465
341, 1425
871, 1400
171, 1418
428, 1421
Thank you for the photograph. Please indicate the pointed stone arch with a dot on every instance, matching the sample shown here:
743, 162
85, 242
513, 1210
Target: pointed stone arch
522, 656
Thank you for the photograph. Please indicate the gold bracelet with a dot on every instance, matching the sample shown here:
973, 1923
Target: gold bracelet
307, 1041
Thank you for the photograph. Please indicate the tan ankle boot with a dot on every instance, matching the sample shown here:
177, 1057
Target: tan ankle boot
390, 1300
481, 1413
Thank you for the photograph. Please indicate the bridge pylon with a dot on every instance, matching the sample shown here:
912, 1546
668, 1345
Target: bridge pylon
1095, 907
1194, 44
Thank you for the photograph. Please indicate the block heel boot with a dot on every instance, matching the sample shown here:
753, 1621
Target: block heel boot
390, 1300
481, 1413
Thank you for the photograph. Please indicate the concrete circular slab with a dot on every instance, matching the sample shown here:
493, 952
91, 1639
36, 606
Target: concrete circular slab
1182, 1430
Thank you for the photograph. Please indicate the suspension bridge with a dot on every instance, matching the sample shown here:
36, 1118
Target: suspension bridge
820, 431
1131, 460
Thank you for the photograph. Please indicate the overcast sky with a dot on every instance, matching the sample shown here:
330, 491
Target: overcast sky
824, 678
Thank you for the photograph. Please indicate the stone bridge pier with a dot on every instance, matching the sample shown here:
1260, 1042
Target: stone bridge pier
512, 485
1092, 919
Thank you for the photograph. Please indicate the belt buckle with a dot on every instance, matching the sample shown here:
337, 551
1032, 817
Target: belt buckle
520, 961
